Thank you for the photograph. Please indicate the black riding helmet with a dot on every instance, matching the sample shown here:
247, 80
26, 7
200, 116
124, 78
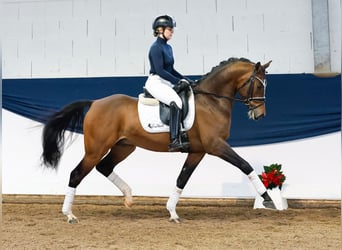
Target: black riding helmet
163, 21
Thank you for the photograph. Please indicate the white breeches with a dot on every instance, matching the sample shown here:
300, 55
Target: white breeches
162, 90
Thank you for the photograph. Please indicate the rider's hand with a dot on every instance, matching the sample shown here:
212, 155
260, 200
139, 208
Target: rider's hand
181, 85
184, 82
192, 82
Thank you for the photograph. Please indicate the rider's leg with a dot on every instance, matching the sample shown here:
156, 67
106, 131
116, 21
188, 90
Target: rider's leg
175, 120
163, 91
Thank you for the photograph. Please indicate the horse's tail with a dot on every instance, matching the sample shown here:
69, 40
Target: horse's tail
70, 117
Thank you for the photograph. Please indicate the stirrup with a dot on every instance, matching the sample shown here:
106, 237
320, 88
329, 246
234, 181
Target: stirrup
177, 145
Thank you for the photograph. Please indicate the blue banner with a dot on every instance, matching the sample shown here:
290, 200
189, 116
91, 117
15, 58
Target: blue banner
298, 105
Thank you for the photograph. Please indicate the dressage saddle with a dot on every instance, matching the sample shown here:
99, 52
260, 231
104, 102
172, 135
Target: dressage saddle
164, 109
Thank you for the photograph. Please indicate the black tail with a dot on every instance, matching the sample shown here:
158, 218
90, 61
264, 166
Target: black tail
71, 118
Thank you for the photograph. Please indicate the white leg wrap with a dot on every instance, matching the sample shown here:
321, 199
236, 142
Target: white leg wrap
68, 201
173, 200
257, 183
121, 184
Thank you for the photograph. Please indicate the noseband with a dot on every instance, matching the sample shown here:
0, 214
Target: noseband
250, 97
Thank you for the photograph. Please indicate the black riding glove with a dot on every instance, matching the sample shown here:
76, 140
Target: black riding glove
192, 83
181, 85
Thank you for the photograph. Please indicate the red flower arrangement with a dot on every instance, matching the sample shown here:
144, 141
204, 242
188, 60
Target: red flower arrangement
272, 176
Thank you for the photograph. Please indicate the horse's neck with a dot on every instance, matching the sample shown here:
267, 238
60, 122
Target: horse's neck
219, 92
221, 83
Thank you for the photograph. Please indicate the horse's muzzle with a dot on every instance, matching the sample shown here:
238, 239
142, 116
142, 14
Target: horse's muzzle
259, 116
257, 113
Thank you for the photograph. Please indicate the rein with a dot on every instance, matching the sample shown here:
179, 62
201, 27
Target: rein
198, 91
250, 91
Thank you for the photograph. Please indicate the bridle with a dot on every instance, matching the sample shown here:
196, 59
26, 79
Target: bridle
250, 97
247, 101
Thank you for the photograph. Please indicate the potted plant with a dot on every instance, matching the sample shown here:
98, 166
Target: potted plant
273, 179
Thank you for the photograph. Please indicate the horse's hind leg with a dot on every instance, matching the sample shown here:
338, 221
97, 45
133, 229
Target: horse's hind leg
106, 167
76, 176
188, 168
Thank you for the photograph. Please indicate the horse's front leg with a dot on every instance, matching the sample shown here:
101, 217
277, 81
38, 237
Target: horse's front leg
188, 168
221, 149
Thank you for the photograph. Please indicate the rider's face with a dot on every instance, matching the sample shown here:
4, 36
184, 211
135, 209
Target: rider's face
168, 32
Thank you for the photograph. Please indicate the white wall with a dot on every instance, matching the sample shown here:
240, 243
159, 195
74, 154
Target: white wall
335, 34
60, 38
312, 168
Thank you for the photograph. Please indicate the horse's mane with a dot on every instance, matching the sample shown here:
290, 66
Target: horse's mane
224, 63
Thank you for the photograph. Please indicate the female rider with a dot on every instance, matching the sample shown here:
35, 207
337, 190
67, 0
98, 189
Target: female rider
163, 77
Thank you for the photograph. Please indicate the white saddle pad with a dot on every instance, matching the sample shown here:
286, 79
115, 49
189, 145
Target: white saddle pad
148, 109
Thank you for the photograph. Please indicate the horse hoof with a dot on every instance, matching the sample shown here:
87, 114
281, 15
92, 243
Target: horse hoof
73, 221
175, 220
269, 205
128, 203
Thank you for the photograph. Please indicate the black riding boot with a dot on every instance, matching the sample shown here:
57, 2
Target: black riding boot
175, 119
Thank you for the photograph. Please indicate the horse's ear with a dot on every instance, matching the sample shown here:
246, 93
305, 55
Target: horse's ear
266, 65
257, 66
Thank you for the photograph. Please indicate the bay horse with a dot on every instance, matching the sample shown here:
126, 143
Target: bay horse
112, 131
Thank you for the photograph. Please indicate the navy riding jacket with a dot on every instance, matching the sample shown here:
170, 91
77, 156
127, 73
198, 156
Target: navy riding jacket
161, 61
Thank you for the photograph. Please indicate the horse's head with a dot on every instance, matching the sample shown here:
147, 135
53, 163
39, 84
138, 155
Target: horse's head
237, 75
252, 89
